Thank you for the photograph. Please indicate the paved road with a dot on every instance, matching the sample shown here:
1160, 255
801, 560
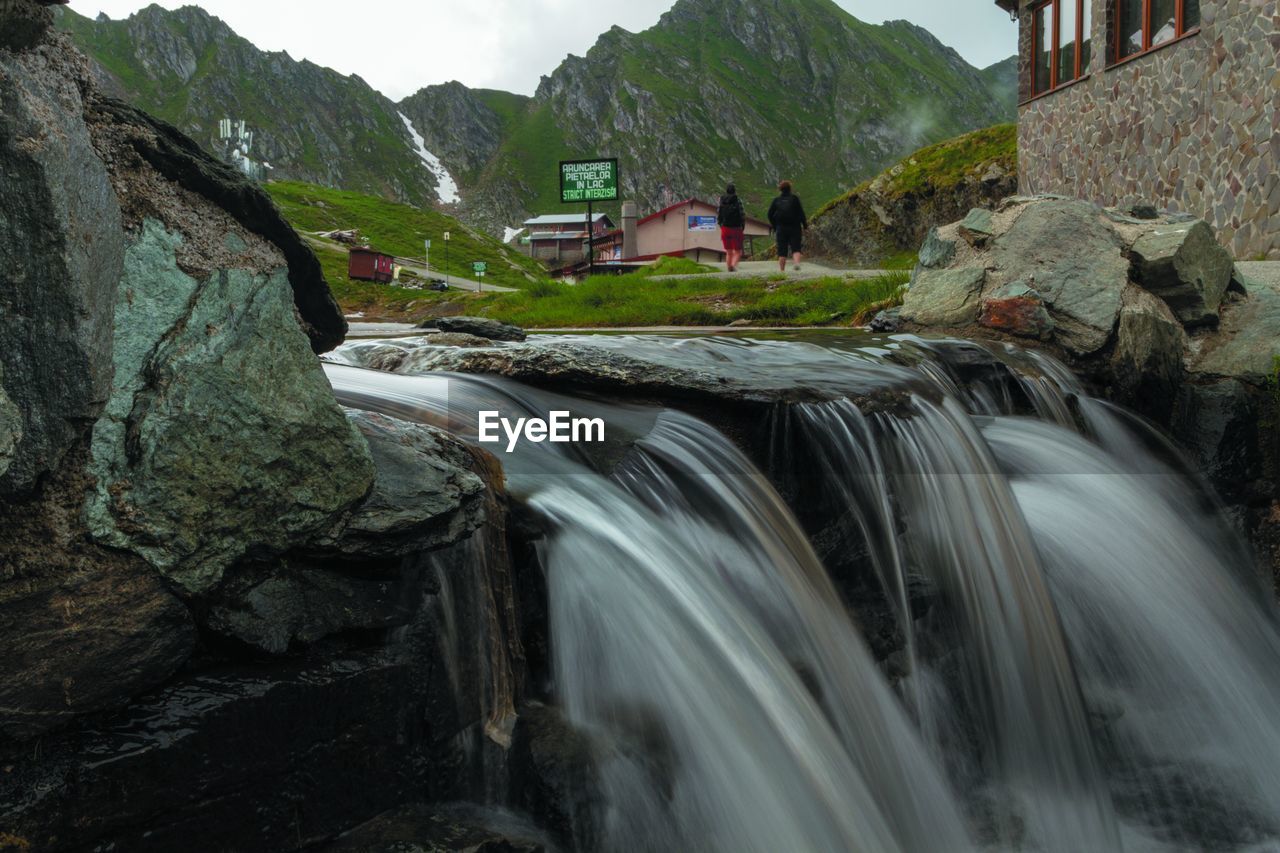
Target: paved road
454, 281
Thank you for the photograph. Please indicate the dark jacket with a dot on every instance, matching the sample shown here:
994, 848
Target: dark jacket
787, 212
731, 213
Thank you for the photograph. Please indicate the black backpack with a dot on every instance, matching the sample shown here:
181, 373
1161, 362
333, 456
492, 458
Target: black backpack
786, 211
731, 214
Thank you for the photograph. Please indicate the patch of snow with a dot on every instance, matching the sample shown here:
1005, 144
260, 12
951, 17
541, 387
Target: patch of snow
509, 234
446, 186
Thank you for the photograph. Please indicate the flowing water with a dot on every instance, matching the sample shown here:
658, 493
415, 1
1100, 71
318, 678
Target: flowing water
1085, 661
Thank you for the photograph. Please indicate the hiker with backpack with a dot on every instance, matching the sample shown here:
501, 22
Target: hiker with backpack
786, 217
732, 219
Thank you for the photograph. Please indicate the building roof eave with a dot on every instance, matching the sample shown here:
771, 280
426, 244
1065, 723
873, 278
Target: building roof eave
1009, 6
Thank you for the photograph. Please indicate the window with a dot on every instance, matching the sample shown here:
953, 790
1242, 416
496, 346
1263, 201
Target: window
1060, 42
1141, 25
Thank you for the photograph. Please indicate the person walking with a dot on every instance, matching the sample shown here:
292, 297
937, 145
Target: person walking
732, 219
786, 217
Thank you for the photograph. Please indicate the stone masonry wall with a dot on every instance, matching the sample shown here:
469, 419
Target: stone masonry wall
1193, 127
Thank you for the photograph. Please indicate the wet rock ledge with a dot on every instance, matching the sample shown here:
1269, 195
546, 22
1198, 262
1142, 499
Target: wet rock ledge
1145, 305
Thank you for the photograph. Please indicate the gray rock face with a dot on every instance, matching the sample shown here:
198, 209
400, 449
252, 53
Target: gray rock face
944, 297
936, 252
221, 435
10, 427
1069, 255
102, 632
61, 226
1247, 343
1218, 424
480, 327
273, 608
1147, 364
1184, 266
424, 493
125, 131
22, 23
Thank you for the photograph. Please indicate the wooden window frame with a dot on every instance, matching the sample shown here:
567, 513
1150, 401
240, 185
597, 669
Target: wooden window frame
1180, 32
1056, 16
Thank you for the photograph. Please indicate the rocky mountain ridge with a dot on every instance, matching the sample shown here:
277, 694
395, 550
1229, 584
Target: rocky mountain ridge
309, 123
728, 89
745, 91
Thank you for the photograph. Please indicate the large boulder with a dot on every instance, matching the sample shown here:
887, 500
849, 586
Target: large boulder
1067, 252
61, 253
1077, 261
222, 435
424, 496
944, 297
130, 138
1184, 265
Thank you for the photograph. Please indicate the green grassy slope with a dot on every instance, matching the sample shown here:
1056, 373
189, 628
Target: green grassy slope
310, 123
941, 167
882, 221
398, 230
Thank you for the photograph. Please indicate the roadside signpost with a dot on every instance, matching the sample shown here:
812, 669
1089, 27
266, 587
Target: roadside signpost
479, 267
427, 258
589, 181
446, 259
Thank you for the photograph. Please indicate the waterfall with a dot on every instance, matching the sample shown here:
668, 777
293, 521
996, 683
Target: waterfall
1086, 663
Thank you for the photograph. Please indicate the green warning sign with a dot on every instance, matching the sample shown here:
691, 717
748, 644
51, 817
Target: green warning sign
588, 180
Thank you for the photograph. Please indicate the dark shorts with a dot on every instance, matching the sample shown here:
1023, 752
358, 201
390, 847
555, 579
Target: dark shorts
790, 241
731, 238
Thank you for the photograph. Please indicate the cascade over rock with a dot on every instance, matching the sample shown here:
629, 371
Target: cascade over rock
1151, 309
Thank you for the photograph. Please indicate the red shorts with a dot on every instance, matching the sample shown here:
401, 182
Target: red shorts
732, 239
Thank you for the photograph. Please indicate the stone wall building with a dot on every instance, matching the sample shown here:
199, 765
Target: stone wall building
1172, 102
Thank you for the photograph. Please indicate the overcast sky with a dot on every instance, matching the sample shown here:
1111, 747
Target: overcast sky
509, 44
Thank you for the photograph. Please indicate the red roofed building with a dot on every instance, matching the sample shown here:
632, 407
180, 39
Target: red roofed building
685, 229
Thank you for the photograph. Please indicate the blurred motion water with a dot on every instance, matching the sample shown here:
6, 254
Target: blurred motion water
1086, 662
